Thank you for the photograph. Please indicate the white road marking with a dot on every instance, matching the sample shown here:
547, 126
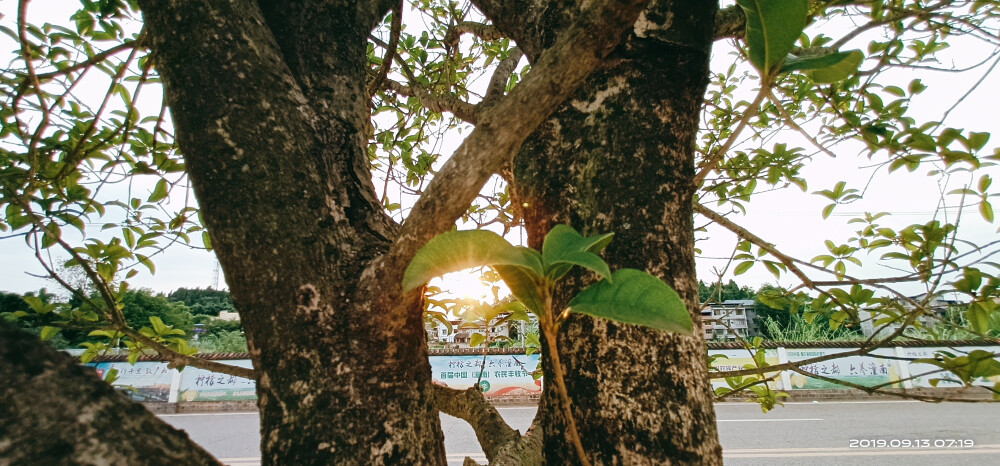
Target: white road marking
843, 451
254, 461
768, 420
754, 453
248, 413
738, 403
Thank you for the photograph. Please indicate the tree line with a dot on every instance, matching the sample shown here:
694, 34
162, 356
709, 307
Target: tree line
184, 309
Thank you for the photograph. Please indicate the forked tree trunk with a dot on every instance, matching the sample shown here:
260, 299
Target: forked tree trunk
270, 108
619, 157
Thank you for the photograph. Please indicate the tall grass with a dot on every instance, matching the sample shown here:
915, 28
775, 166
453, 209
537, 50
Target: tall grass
799, 330
226, 341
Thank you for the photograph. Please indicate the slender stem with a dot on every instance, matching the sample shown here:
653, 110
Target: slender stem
572, 434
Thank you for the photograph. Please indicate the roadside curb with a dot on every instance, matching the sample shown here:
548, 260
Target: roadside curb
958, 394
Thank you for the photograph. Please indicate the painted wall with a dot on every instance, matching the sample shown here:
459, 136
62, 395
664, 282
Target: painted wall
510, 374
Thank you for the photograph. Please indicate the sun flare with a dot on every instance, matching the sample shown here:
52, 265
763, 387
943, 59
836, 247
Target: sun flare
470, 284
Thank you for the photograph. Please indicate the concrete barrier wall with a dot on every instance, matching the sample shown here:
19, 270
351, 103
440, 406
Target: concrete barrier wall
507, 374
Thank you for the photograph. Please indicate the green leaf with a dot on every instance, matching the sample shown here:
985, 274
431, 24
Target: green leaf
773, 26
978, 140
564, 238
112, 376
133, 356
827, 68
564, 247
476, 339
206, 240
635, 297
522, 286
147, 262
986, 210
984, 183
48, 332
586, 260
979, 318
460, 250
816, 62
158, 326
159, 192
828, 210
742, 267
88, 356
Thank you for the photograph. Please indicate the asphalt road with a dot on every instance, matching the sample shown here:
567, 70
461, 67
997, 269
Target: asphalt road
828, 433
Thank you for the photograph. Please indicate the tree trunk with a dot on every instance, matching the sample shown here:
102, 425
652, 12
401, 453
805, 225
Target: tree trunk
270, 110
619, 157
54, 411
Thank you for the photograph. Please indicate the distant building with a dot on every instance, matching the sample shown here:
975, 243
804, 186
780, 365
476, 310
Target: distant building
730, 319
437, 332
460, 336
936, 311
229, 316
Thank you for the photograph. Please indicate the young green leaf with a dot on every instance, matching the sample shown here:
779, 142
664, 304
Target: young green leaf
111, 376
742, 267
133, 356
523, 286
773, 26
564, 247
978, 317
583, 259
159, 192
635, 297
839, 71
460, 250
48, 332
826, 68
476, 339
563, 239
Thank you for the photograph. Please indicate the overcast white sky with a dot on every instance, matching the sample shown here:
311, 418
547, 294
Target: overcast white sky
789, 218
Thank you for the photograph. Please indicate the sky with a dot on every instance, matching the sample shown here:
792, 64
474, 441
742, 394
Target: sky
789, 218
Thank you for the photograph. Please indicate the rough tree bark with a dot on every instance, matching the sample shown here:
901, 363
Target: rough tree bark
618, 157
270, 110
82, 419
269, 103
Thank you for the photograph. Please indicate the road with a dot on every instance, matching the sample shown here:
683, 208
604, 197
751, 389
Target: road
799, 433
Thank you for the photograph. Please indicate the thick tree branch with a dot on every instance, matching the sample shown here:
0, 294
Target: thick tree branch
470, 406
532, 24
480, 30
526, 450
503, 128
46, 391
502, 444
498, 82
730, 23
437, 103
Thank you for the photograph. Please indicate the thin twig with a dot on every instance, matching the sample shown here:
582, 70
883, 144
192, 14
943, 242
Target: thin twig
390, 52
716, 158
